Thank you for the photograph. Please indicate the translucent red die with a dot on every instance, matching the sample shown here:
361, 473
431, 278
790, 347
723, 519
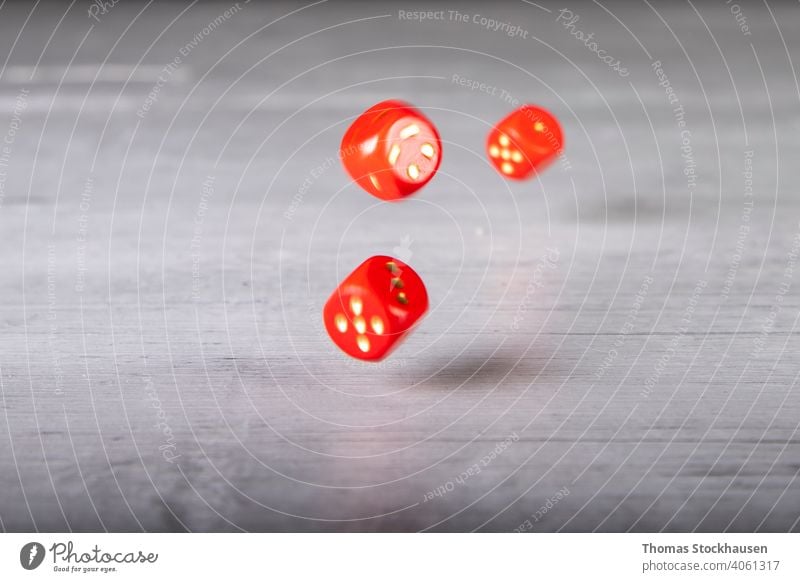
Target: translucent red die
373, 309
391, 150
525, 142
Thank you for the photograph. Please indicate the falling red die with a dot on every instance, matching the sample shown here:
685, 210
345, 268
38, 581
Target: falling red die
373, 309
391, 150
524, 142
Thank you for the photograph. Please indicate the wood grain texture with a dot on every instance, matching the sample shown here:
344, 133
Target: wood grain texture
611, 347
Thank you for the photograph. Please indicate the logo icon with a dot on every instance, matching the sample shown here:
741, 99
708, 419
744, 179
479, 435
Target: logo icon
403, 250
31, 555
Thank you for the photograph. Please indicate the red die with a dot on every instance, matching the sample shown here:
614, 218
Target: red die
391, 150
373, 309
524, 142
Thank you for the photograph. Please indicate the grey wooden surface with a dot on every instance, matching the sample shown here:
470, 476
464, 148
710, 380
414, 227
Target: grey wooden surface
611, 347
